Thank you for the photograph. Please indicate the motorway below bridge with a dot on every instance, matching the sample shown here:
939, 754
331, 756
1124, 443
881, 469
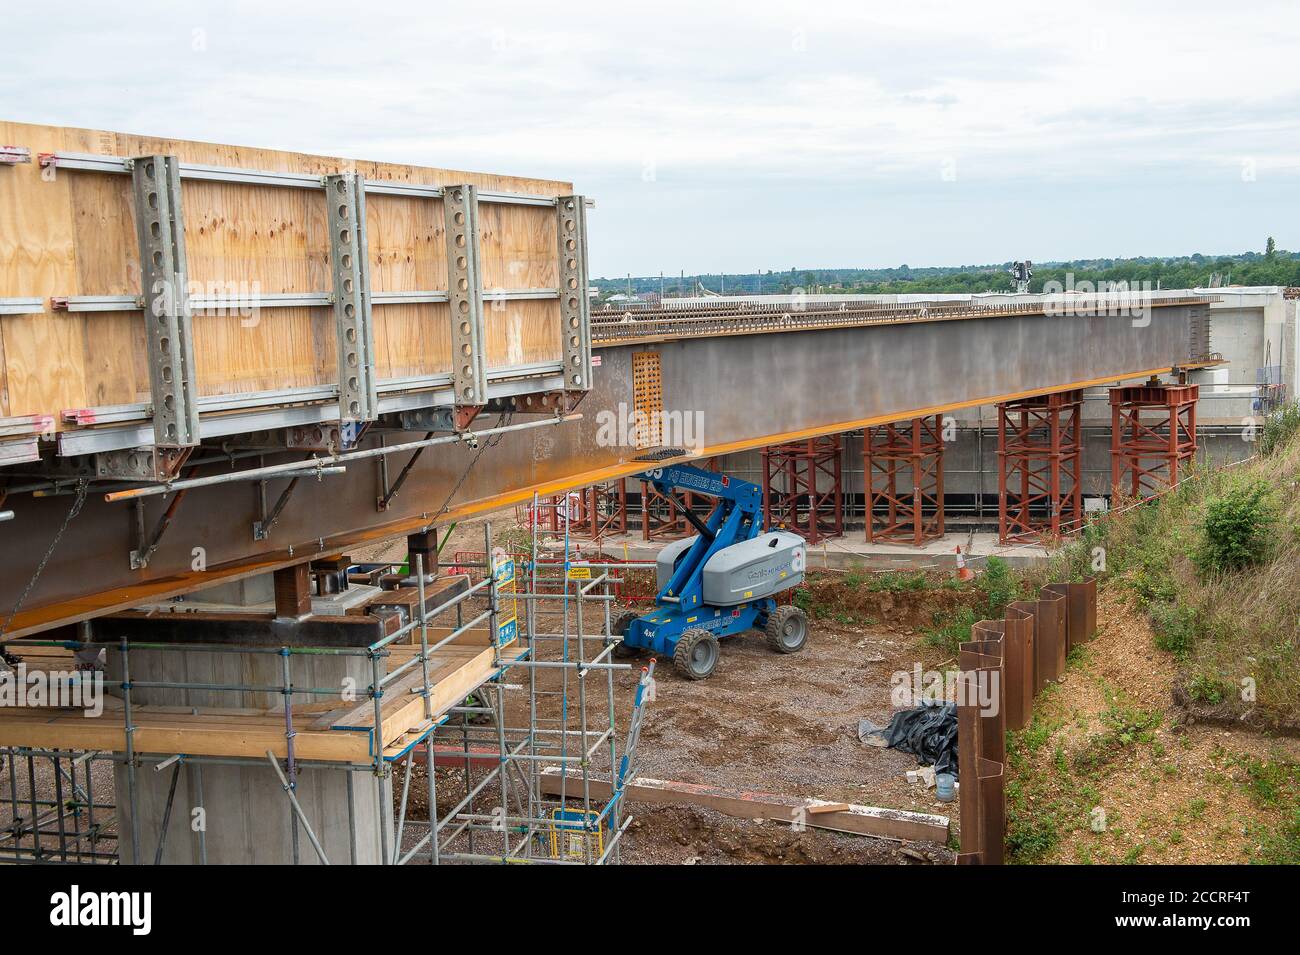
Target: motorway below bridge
739, 385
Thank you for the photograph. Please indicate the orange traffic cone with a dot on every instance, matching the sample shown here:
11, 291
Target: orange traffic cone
963, 572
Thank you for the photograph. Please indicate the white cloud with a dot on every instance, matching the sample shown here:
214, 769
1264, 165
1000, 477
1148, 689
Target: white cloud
861, 105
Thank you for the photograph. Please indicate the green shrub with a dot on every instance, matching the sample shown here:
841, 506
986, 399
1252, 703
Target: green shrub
999, 586
1175, 627
1236, 528
1279, 428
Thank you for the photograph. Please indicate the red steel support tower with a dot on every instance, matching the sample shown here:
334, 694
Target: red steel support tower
1152, 436
601, 509
913, 508
1040, 445
803, 487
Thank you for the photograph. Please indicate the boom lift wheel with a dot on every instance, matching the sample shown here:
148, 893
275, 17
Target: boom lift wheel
696, 654
618, 627
787, 629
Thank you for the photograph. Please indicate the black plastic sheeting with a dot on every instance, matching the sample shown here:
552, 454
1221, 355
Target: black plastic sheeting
928, 732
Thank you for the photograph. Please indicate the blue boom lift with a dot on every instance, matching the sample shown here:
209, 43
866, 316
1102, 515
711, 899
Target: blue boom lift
719, 583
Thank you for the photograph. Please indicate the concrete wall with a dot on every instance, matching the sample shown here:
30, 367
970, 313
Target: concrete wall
235, 668
247, 815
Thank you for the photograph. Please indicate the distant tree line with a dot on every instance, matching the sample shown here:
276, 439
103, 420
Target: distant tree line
1272, 267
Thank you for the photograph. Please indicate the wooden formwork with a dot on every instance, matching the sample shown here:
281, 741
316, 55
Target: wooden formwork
67, 232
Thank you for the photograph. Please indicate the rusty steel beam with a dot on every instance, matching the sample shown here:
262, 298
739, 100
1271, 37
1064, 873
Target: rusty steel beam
803, 487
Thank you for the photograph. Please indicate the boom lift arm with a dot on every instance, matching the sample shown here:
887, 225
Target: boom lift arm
721, 582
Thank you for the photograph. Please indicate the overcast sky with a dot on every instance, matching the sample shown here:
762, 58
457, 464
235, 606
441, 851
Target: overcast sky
739, 136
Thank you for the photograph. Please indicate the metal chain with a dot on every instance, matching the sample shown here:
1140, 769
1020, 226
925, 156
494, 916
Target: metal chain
82, 487
491, 442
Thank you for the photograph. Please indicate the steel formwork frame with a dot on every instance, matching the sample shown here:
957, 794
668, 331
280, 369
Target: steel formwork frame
1040, 487
1153, 436
913, 450
803, 487
502, 815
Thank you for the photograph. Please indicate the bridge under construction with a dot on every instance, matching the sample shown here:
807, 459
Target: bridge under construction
227, 371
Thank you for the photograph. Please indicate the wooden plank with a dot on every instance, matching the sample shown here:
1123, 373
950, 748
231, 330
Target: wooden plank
894, 824
447, 693
201, 734
819, 808
43, 353
74, 235
454, 673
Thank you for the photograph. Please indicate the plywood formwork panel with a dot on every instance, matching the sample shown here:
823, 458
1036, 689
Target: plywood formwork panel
73, 233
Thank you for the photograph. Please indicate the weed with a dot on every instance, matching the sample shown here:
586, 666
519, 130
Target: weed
898, 581
1131, 857
1280, 846
1271, 783
1175, 627
1030, 836
1205, 689
1236, 528
949, 635
1125, 728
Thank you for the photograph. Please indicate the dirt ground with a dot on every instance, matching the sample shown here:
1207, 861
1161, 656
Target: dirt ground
1170, 792
783, 724
768, 722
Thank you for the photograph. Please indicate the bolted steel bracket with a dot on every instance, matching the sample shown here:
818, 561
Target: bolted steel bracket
345, 198
465, 298
575, 306
140, 464
160, 229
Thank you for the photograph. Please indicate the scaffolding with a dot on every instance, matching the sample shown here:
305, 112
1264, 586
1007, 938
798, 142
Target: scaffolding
543, 703
593, 512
